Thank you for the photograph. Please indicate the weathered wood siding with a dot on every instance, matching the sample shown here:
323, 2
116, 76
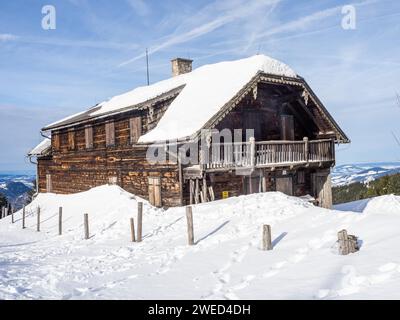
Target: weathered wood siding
74, 167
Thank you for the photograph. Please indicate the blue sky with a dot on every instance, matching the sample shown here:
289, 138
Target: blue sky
96, 51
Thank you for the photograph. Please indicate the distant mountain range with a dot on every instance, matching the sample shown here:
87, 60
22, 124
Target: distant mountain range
363, 172
15, 187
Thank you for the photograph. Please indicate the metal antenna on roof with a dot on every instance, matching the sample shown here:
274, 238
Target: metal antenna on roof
147, 67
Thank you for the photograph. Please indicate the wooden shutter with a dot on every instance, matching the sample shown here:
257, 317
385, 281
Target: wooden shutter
135, 125
71, 140
110, 134
89, 137
56, 141
49, 187
155, 191
287, 127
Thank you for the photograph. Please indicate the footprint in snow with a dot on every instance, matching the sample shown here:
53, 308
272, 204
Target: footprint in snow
244, 283
225, 278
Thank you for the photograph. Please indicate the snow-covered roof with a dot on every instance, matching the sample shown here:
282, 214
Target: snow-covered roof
41, 148
206, 90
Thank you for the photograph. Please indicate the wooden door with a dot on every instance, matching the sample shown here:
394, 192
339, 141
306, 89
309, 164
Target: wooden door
284, 185
322, 188
287, 127
155, 191
251, 184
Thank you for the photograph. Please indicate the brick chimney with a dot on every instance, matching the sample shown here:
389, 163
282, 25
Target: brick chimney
181, 66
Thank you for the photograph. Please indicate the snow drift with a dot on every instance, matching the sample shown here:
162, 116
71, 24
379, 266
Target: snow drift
226, 263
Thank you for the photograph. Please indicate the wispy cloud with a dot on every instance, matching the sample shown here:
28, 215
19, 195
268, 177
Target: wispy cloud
94, 44
305, 22
225, 16
7, 37
140, 7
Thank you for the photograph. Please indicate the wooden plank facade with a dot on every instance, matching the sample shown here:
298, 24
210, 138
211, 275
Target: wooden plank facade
292, 149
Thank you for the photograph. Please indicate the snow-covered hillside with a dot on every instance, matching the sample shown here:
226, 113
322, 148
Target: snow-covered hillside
225, 263
363, 172
15, 186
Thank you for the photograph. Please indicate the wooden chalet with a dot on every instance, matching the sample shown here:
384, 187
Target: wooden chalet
292, 149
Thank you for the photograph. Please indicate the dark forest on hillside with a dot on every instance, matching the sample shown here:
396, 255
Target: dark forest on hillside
356, 191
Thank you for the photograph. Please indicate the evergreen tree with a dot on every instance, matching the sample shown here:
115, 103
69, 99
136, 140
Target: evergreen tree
3, 200
357, 191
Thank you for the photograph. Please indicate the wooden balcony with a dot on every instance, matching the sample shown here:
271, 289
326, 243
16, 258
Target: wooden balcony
261, 154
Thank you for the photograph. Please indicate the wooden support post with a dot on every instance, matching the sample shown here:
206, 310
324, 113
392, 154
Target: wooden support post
189, 217
202, 200
267, 243
12, 216
60, 209
211, 192
180, 179
205, 188
38, 219
140, 221
23, 218
306, 148
197, 192
191, 191
252, 152
86, 224
132, 230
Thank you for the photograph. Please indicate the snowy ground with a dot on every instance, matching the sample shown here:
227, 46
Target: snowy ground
226, 262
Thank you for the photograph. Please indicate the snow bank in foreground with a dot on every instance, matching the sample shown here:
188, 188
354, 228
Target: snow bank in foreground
225, 263
383, 204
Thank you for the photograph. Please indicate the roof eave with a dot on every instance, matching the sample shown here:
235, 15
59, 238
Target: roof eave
140, 106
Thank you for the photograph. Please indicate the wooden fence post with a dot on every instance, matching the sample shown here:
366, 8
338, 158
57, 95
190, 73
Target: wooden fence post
347, 243
60, 221
38, 219
140, 221
343, 243
189, 217
132, 230
23, 218
86, 223
267, 243
12, 215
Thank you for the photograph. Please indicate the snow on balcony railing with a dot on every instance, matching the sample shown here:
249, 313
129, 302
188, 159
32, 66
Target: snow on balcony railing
267, 153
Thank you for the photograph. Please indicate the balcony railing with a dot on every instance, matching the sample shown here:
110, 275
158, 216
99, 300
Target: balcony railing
267, 153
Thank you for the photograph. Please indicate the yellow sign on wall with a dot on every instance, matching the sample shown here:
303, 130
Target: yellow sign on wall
225, 194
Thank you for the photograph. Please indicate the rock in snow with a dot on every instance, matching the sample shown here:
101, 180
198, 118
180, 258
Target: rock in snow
226, 263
